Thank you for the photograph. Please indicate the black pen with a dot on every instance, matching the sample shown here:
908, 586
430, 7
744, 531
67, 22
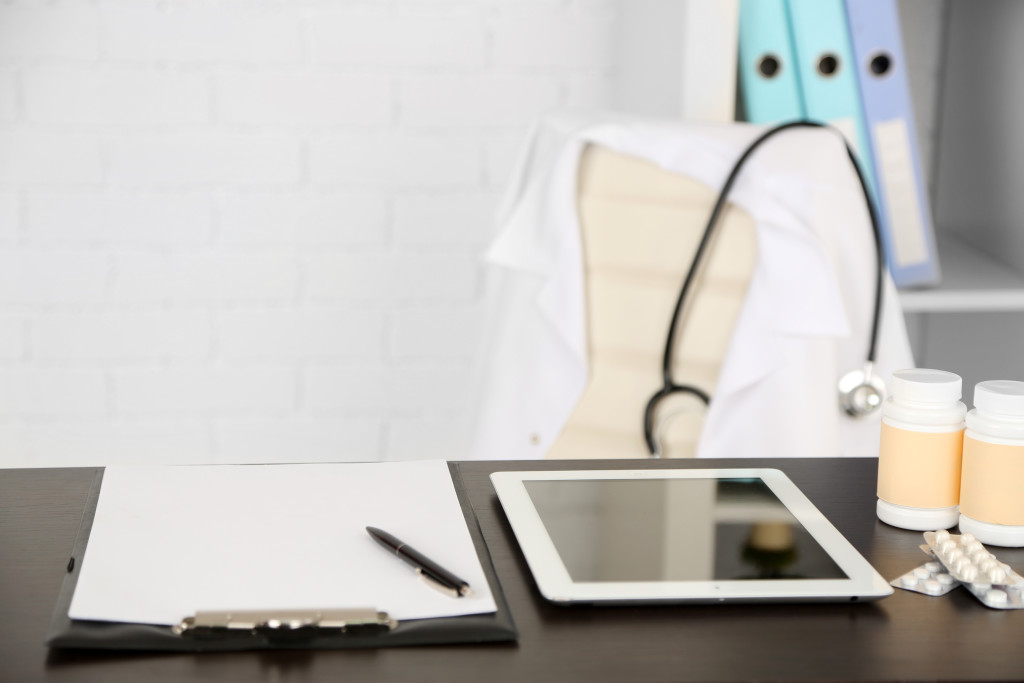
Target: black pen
424, 566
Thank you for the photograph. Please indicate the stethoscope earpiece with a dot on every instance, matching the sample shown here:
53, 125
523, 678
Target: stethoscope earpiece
861, 392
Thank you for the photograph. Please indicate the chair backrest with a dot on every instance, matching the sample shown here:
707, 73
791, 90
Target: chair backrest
640, 228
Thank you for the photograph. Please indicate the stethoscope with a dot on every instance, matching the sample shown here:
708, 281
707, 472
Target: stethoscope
861, 392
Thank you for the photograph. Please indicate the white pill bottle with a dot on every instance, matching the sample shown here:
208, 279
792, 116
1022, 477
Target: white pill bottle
991, 497
920, 451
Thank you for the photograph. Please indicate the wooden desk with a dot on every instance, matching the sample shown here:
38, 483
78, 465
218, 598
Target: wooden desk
906, 636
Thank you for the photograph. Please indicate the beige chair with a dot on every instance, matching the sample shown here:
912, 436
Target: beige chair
640, 228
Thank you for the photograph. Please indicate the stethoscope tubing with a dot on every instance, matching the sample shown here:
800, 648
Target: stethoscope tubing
668, 385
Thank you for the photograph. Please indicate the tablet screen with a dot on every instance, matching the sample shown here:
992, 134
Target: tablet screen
613, 530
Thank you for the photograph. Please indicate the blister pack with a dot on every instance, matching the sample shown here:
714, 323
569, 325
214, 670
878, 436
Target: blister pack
930, 578
993, 582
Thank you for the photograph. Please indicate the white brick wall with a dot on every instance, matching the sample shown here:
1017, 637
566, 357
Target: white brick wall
128, 335
202, 278
443, 219
175, 392
36, 156
12, 337
9, 104
121, 219
453, 36
10, 204
36, 30
49, 392
198, 32
115, 96
443, 101
250, 231
209, 158
542, 39
37, 278
397, 160
305, 221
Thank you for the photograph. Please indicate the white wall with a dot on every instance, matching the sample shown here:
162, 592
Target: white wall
250, 231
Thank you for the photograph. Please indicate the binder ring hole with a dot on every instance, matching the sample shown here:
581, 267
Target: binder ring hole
880, 64
769, 66
828, 64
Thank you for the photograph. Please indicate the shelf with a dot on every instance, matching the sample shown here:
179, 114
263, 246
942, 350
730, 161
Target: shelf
972, 281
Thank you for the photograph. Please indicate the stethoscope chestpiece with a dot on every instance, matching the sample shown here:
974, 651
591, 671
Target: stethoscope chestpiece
861, 392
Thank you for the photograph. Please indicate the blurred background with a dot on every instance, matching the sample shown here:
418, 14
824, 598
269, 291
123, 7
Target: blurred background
252, 230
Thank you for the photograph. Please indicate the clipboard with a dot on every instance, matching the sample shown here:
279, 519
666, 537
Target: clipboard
277, 629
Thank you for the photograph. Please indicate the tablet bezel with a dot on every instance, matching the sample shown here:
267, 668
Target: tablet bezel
555, 583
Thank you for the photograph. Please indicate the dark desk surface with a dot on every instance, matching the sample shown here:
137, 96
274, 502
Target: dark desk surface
906, 636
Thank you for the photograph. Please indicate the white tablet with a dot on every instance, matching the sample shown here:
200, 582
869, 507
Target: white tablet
680, 535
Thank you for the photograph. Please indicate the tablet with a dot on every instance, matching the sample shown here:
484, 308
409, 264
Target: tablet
680, 535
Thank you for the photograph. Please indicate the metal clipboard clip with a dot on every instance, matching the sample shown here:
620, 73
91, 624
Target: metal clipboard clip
285, 625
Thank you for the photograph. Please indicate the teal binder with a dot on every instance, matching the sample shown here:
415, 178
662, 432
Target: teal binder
827, 73
768, 77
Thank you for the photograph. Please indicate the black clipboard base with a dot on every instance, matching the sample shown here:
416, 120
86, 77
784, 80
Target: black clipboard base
278, 631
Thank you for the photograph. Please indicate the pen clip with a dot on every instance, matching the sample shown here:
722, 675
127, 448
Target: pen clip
450, 591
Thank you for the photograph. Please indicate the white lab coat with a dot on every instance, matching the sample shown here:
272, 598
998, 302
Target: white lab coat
807, 314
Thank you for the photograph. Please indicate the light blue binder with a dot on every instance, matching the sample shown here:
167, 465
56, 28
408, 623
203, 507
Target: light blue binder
825, 67
889, 116
768, 78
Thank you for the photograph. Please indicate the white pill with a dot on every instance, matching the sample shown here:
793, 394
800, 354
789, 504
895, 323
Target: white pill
952, 557
997, 575
932, 586
941, 535
977, 556
908, 580
995, 597
946, 547
944, 579
988, 564
969, 573
933, 567
967, 537
922, 573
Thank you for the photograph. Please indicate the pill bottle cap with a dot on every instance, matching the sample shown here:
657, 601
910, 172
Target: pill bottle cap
1001, 396
922, 385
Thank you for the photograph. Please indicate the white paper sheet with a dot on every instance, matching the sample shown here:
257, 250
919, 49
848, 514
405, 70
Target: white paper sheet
168, 541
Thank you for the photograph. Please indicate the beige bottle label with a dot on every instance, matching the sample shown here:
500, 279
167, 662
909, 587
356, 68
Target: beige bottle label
919, 469
992, 476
